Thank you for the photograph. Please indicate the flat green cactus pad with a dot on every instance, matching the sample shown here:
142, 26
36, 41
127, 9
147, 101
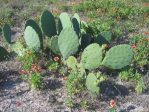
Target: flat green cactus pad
72, 62
92, 83
3, 54
54, 45
36, 27
48, 24
92, 56
68, 42
104, 38
31, 38
76, 23
64, 22
118, 57
7, 33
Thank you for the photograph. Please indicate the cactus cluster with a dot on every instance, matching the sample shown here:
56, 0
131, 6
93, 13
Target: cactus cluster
65, 40
15, 47
116, 58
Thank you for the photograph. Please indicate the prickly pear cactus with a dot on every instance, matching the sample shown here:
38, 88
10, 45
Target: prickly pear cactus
64, 22
76, 23
72, 62
68, 42
85, 40
36, 27
32, 38
7, 33
92, 56
54, 45
3, 54
104, 38
48, 24
92, 84
118, 57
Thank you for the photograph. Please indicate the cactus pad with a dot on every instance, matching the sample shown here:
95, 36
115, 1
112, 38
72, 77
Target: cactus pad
64, 22
104, 38
36, 27
7, 33
31, 38
68, 42
92, 83
118, 57
72, 62
85, 40
92, 56
76, 23
3, 54
48, 24
54, 45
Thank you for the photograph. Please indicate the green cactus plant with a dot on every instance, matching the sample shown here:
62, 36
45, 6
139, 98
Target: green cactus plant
104, 38
92, 56
85, 40
118, 57
72, 63
54, 45
4, 54
76, 23
64, 22
36, 27
31, 38
68, 42
48, 24
7, 33
93, 82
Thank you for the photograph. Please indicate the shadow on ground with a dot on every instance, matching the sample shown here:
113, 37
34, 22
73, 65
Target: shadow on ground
53, 84
110, 90
9, 79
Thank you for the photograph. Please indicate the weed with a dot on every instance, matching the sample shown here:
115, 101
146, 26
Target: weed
141, 49
75, 83
134, 76
28, 59
35, 81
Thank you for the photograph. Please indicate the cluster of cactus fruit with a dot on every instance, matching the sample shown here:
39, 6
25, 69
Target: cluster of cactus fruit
66, 39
